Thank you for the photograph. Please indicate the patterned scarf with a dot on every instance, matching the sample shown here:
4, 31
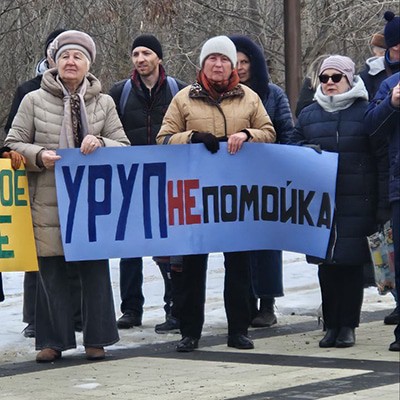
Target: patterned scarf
76, 118
216, 90
75, 123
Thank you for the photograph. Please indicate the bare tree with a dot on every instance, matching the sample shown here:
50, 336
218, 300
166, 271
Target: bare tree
328, 26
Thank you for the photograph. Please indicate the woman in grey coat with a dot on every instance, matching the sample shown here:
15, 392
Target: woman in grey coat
68, 111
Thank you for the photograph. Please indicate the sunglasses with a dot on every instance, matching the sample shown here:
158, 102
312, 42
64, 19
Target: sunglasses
335, 78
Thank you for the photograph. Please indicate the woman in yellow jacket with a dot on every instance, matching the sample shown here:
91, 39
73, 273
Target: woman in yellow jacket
216, 108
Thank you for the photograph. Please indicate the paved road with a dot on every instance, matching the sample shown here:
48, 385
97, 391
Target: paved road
286, 364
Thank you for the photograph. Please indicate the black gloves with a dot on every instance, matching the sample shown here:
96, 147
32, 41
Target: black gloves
315, 147
210, 141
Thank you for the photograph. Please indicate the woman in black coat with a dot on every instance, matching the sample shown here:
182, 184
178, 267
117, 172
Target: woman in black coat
335, 122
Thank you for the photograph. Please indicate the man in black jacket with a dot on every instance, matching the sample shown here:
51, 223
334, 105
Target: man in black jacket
386, 66
141, 102
380, 68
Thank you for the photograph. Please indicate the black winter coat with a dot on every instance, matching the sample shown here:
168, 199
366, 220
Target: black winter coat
22, 90
372, 82
356, 199
143, 114
383, 121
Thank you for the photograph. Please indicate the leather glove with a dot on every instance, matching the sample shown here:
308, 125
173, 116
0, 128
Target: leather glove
16, 158
210, 141
315, 147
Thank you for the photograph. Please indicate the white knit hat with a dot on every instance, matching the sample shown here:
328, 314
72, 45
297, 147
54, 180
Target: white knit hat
219, 45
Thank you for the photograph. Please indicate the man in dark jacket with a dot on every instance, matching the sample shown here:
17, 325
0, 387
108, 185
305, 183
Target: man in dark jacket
373, 75
383, 120
30, 278
377, 70
141, 103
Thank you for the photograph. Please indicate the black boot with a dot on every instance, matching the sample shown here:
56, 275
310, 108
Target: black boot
129, 319
171, 325
240, 341
329, 340
266, 315
187, 344
393, 318
346, 337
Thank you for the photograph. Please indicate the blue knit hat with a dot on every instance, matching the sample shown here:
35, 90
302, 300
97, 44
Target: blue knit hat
392, 29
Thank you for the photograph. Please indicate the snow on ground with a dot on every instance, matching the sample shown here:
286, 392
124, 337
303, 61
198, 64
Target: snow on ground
302, 297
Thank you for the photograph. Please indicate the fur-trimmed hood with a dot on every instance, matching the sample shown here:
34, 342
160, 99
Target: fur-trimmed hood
258, 64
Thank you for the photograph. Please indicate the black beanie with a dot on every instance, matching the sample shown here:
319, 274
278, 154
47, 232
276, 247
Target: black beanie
50, 38
149, 41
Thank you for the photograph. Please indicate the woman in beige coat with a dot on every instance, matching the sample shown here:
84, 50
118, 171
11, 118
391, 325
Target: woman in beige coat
216, 108
68, 111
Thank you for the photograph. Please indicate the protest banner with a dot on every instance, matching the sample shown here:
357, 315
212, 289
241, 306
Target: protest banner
170, 200
17, 244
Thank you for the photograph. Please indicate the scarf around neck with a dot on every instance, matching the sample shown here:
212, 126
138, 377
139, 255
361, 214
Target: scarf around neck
217, 90
344, 100
75, 122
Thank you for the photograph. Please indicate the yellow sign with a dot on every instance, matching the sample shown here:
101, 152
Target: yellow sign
17, 243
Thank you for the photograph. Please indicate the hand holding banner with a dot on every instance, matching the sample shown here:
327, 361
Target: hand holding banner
17, 244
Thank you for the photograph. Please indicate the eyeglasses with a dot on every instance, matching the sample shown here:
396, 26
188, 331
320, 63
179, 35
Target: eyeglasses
335, 78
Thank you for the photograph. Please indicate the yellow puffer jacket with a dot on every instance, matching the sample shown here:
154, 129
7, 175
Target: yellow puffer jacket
193, 110
37, 126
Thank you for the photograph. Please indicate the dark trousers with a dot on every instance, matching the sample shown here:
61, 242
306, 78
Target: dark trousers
178, 293
236, 289
29, 301
54, 306
342, 289
174, 293
30, 289
396, 245
131, 285
266, 277
266, 273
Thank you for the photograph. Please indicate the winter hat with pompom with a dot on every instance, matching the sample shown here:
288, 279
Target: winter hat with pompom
392, 29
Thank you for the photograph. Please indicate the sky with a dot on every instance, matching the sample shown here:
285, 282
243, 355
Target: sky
302, 297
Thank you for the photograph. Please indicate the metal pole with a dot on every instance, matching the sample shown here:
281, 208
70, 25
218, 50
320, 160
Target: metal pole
292, 50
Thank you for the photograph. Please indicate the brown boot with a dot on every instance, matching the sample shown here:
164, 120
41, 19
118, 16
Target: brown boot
95, 353
48, 355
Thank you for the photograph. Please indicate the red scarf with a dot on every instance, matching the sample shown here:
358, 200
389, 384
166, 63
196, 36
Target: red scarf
217, 89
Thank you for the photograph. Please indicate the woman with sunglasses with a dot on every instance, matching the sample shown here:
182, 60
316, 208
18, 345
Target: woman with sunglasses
335, 123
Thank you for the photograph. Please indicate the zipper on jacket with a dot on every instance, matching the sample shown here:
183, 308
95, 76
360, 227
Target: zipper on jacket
223, 116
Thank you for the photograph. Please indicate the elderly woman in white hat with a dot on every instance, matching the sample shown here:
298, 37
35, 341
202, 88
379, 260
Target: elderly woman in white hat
68, 111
